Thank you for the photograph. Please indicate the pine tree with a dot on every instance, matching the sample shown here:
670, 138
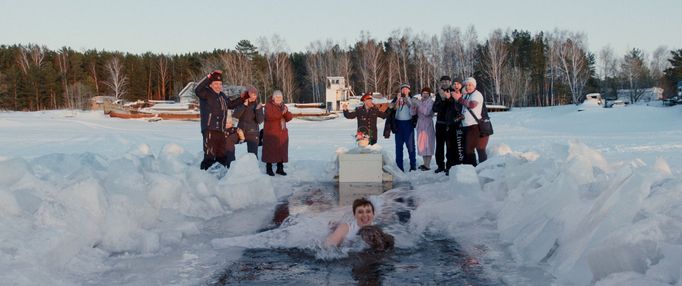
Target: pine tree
673, 74
245, 47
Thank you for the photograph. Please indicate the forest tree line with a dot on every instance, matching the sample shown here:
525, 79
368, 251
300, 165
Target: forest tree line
513, 68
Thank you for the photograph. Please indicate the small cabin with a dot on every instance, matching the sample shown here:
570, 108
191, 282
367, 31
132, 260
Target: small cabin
97, 102
336, 92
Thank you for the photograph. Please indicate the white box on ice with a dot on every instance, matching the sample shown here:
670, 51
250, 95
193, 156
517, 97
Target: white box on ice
360, 168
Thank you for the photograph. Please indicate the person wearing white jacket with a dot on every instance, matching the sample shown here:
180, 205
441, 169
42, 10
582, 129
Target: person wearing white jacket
472, 102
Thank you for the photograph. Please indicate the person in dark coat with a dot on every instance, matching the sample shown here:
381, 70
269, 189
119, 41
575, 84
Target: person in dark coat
250, 116
213, 107
449, 142
441, 127
367, 117
276, 134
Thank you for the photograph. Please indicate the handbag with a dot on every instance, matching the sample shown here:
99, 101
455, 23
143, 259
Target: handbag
485, 127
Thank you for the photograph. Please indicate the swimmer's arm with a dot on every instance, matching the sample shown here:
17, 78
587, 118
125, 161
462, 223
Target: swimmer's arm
337, 236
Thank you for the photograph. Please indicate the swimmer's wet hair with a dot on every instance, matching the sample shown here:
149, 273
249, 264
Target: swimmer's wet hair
362, 202
375, 238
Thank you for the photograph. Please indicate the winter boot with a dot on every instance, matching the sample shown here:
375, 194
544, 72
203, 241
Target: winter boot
280, 169
268, 169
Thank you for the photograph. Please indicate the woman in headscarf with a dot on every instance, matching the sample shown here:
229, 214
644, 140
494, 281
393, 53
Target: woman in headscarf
276, 134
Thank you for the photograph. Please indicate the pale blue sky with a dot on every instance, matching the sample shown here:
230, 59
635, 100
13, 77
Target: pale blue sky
175, 26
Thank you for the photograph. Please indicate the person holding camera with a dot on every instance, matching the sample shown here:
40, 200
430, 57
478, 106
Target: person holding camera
472, 102
250, 116
213, 108
401, 123
448, 132
367, 116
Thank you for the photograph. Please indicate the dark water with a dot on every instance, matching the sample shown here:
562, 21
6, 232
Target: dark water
433, 262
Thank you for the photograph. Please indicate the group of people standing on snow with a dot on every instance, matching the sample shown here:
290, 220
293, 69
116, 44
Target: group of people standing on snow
220, 135
455, 137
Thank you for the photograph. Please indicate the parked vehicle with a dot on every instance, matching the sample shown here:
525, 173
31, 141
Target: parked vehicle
618, 103
592, 100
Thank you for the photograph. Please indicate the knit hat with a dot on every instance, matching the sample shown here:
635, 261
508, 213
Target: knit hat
251, 89
367, 95
405, 85
216, 77
445, 77
427, 89
470, 79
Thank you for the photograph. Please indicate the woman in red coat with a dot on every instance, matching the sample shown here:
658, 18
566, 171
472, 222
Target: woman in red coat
275, 134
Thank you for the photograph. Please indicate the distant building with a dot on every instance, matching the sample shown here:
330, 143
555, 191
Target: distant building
97, 102
336, 92
679, 88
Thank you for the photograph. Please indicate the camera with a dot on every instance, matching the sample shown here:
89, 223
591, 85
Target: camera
459, 118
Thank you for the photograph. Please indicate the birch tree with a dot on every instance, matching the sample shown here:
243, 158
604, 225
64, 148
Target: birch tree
607, 63
118, 81
164, 76
494, 60
30, 60
573, 64
435, 58
451, 39
659, 63
63, 66
468, 59
370, 63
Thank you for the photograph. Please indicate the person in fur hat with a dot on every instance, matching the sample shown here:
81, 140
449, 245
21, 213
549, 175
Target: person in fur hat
367, 116
213, 108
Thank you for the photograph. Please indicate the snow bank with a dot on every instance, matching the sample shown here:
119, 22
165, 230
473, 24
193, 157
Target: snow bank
584, 218
65, 214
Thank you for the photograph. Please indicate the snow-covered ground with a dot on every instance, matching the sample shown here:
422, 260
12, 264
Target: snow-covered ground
567, 197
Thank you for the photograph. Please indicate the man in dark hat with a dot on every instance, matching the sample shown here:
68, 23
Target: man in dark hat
213, 107
367, 116
447, 125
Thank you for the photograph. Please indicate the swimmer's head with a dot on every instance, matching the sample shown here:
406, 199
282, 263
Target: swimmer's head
362, 202
363, 211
